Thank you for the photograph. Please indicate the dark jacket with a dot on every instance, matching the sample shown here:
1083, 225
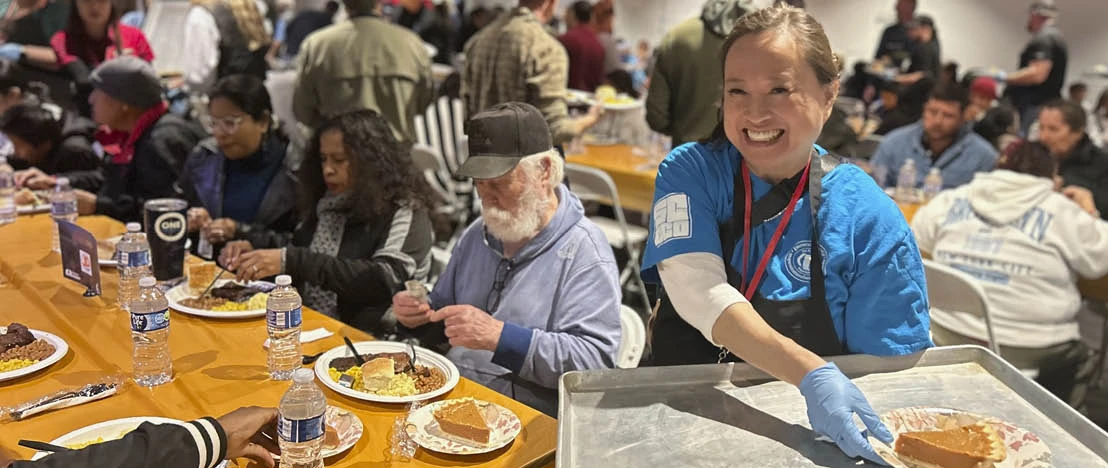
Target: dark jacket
160, 445
73, 156
235, 56
202, 184
159, 156
1087, 166
374, 260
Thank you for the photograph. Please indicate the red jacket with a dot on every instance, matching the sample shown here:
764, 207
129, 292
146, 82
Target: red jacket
586, 58
70, 48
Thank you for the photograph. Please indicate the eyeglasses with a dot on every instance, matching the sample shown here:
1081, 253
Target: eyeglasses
224, 125
502, 271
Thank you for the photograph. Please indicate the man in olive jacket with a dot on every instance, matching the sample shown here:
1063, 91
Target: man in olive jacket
364, 63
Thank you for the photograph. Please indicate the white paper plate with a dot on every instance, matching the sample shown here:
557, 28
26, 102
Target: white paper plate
113, 262
424, 430
60, 348
109, 430
347, 424
424, 357
32, 209
182, 292
1025, 448
623, 107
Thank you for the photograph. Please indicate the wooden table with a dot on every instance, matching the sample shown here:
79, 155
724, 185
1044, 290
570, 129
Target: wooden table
631, 169
218, 365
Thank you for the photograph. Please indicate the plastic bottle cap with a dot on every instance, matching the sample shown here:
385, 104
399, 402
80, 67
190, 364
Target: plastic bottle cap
61, 181
134, 227
147, 282
303, 375
284, 280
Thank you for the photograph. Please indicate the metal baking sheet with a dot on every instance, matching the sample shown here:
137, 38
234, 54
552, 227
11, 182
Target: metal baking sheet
734, 415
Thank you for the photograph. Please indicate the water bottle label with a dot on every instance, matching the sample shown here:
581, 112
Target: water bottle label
282, 320
63, 208
134, 259
152, 321
300, 430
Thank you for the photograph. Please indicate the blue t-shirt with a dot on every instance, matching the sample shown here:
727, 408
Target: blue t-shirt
874, 276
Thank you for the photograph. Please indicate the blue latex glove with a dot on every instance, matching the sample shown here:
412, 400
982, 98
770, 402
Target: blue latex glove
11, 51
832, 401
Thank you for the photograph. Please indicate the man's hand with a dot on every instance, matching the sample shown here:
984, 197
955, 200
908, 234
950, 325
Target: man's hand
409, 311
258, 264
86, 202
221, 230
1083, 197
469, 327
832, 401
34, 179
229, 256
198, 218
246, 430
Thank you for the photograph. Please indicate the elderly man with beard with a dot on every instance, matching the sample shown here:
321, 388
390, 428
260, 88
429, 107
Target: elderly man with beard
532, 288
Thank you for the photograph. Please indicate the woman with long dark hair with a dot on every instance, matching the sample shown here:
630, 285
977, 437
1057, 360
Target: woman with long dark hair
242, 178
365, 227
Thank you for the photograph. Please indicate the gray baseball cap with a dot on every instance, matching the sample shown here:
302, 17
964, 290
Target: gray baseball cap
128, 79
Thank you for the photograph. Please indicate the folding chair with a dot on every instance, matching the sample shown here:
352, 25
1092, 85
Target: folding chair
595, 185
953, 291
633, 343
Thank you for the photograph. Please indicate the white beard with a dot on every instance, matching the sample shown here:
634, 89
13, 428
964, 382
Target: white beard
519, 226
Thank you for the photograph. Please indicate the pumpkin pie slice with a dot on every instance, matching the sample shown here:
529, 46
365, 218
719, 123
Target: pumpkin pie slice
463, 420
973, 446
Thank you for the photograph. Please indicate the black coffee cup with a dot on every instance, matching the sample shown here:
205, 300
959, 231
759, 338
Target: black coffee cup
166, 230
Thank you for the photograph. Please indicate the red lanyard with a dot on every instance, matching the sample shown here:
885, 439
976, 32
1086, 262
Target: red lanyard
750, 284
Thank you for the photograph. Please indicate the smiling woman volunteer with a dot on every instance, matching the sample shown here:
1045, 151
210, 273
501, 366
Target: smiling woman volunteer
861, 291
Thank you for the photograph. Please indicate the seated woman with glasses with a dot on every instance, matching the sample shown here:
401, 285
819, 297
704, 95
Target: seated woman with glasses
243, 177
365, 230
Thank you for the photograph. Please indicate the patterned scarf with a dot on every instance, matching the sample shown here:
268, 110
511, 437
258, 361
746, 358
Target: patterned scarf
328, 236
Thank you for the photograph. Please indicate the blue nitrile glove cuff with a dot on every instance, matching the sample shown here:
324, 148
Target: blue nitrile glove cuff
11, 51
1001, 76
832, 401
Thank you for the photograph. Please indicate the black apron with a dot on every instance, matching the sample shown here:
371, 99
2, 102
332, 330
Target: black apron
806, 321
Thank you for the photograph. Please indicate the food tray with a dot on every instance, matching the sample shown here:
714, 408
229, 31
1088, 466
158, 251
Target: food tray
736, 415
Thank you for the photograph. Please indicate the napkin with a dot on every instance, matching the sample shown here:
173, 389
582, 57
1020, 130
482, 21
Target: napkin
308, 336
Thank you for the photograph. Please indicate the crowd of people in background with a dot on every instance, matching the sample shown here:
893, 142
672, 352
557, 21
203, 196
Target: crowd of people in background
350, 218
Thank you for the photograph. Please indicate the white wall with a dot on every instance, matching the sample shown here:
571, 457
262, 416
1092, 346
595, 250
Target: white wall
974, 33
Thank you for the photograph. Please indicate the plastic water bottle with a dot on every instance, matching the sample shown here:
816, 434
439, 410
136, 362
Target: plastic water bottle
282, 318
301, 423
932, 184
7, 192
153, 364
63, 207
133, 263
906, 182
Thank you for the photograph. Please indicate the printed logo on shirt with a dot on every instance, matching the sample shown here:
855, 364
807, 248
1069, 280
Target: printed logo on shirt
798, 261
671, 218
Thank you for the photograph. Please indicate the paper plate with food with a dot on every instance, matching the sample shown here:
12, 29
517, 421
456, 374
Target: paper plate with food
24, 351
576, 97
107, 431
387, 373
463, 427
29, 201
943, 437
614, 101
228, 299
343, 430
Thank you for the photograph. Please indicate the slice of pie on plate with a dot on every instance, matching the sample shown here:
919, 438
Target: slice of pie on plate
971, 446
464, 420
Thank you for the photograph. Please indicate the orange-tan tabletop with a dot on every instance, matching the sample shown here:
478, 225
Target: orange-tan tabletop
218, 365
631, 170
